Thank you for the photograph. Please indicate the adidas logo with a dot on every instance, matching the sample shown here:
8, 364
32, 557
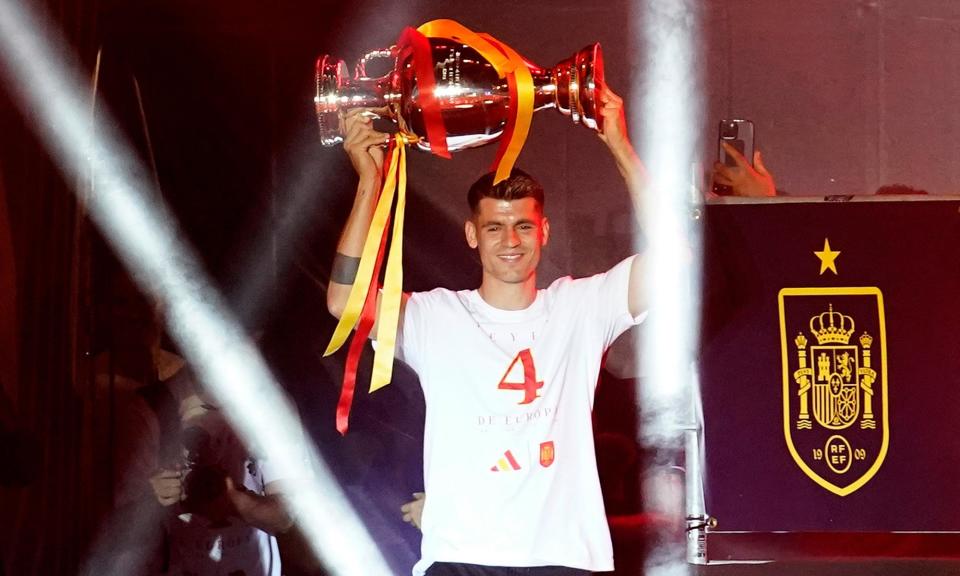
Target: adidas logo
506, 463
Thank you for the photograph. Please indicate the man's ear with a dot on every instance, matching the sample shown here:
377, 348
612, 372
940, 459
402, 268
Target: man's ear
546, 231
470, 231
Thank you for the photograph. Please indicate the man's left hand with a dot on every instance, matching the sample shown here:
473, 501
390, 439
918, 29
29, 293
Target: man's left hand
610, 108
413, 511
614, 135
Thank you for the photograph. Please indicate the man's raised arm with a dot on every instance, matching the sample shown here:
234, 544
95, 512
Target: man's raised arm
634, 174
363, 145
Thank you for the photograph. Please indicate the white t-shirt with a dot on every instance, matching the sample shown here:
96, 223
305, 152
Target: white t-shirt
509, 465
234, 548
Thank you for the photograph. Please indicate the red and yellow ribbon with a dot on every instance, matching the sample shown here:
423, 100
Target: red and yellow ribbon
361, 310
415, 42
508, 64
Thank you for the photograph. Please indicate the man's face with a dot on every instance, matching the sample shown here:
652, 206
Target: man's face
508, 235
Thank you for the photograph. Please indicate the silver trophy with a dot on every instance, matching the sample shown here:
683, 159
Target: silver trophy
474, 101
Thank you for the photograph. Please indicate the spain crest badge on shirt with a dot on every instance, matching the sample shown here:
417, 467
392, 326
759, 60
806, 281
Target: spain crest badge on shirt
547, 453
835, 407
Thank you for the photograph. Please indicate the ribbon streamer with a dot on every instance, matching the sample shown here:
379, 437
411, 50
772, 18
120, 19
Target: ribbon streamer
361, 308
389, 316
361, 285
515, 134
367, 317
508, 64
417, 43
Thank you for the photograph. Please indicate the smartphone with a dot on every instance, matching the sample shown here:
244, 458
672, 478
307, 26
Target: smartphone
739, 134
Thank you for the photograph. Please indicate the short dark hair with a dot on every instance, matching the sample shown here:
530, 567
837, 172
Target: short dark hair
518, 185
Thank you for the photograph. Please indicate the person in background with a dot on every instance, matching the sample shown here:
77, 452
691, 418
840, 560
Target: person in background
219, 502
224, 501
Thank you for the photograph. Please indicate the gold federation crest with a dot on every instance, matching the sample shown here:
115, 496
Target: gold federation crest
833, 349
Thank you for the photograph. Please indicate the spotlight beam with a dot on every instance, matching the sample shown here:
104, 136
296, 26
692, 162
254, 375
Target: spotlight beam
669, 112
146, 238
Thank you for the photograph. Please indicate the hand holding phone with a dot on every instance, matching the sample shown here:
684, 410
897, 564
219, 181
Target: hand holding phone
740, 170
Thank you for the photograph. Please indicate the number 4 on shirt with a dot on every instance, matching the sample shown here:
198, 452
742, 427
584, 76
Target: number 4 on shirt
530, 385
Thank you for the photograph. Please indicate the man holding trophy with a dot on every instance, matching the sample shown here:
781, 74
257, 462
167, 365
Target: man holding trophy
508, 371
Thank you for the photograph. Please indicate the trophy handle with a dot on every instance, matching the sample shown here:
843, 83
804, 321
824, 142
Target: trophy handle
577, 82
337, 92
589, 62
331, 76
360, 70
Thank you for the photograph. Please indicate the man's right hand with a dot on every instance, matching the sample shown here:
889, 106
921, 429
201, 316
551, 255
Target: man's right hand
363, 144
168, 486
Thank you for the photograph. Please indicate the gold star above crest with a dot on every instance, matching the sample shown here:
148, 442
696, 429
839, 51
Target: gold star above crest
828, 257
